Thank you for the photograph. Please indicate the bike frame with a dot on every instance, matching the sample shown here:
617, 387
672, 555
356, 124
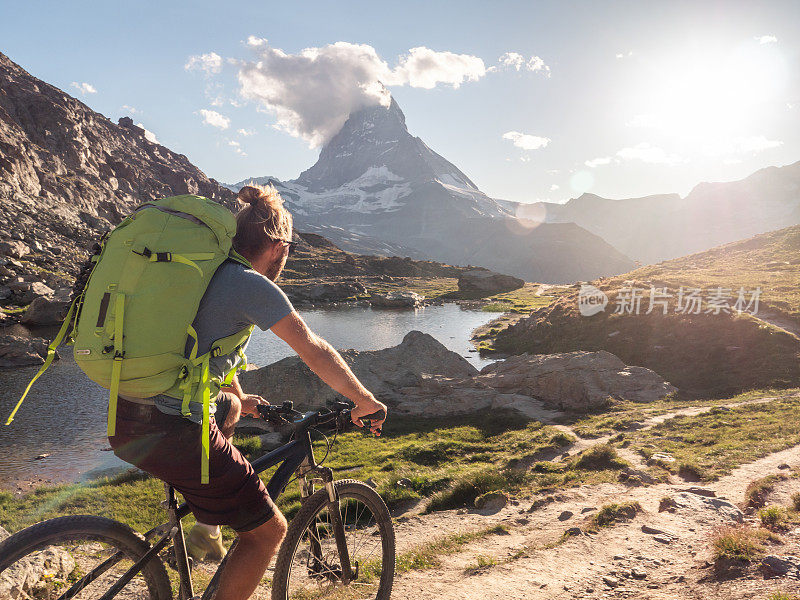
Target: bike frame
296, 456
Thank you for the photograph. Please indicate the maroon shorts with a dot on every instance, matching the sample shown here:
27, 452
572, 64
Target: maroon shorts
168, 447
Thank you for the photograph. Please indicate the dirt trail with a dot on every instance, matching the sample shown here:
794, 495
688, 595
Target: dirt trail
780, 321
534, 561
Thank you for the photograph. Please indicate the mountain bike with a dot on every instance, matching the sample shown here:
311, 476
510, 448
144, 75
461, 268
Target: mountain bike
340, 544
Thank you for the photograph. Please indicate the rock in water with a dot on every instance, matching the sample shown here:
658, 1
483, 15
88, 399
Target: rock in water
17, 351
576, 381
487, 282
396, 300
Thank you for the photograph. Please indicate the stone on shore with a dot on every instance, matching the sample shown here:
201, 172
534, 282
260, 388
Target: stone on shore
485, 281
47, 310
575, 381
386, 373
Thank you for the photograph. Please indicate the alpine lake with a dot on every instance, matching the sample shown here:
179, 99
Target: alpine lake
58, 436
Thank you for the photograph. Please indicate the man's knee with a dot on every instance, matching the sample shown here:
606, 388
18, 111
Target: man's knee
267, 534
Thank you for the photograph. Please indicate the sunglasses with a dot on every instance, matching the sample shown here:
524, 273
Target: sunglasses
289, 243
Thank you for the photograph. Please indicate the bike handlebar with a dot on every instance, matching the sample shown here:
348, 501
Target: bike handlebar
338, 416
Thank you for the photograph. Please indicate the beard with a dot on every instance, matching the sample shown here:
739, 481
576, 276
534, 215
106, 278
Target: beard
275, 269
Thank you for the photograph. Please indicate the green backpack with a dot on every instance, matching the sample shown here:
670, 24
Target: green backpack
133, 320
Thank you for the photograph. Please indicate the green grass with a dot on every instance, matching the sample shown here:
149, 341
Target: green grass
610, 514
782, 596
428, 556
599, 457
757, 491
481, 564
773, 517
737, 543
714, 443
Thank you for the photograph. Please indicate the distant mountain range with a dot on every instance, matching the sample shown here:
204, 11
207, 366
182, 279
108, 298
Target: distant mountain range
375, 180
661, 227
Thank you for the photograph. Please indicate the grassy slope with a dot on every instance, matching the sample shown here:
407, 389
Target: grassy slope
703, 354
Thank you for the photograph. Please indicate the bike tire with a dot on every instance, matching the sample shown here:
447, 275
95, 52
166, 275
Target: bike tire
90, 528
346, 489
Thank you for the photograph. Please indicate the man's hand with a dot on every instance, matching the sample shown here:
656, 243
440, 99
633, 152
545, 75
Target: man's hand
249, 404
367, 408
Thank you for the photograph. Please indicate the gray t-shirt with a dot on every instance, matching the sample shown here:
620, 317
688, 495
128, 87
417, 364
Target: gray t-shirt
236, 297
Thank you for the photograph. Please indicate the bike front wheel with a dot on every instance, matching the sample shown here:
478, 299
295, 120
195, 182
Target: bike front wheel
309, 563
78, 557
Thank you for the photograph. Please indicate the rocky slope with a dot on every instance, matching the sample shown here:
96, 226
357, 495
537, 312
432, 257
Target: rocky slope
375, 179
666, 226
693, 333
68, 172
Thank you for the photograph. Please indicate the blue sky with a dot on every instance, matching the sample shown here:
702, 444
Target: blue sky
620, 99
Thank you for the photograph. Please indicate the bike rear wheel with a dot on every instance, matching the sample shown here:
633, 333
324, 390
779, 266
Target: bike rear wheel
309, 564
53, 559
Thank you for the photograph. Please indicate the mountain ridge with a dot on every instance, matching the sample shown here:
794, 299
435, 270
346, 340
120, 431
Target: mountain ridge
375, 179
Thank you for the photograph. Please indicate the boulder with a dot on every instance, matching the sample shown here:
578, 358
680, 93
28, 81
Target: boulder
46, 310
386, 373
492, 501
17, 351
488, 282
14, 249
25, 292
575, 381
325, 292
25, 578
706, 509
396, 300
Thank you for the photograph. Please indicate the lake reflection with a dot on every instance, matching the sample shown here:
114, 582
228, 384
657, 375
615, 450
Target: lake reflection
65, 413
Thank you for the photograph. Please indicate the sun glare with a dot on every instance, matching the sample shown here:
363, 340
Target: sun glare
711, 95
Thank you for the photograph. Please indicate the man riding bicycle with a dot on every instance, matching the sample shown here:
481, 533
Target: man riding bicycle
153, 434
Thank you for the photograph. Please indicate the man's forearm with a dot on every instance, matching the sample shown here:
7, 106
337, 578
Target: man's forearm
329, 365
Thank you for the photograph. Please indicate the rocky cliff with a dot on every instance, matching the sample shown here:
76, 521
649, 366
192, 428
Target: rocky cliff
67, 172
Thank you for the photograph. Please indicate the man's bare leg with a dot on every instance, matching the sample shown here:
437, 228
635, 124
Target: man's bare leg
249, 560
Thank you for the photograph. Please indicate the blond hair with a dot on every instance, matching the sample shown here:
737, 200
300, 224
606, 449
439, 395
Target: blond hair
264, 219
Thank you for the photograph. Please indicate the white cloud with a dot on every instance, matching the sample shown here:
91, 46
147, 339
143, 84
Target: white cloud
213, 118
246, 132
210, 63
596, 162
526, 141
237, 147
553, 187
131, 109
756, 143
766, 39
525, 158
513, 60
426, 68
648, 153
516, 61
84, 88
311, 93
148, 135
624, 54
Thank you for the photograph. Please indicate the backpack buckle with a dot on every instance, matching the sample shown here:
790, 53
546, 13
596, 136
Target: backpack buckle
163, 256
119, 355
216, 351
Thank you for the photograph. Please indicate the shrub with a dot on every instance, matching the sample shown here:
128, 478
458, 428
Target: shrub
561, 439
690, 470
773, 517
615, 513
796, 501
757, 491
464, 491
598, 457
736, 543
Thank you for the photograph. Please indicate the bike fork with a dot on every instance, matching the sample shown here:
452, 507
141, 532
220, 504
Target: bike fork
338, 528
